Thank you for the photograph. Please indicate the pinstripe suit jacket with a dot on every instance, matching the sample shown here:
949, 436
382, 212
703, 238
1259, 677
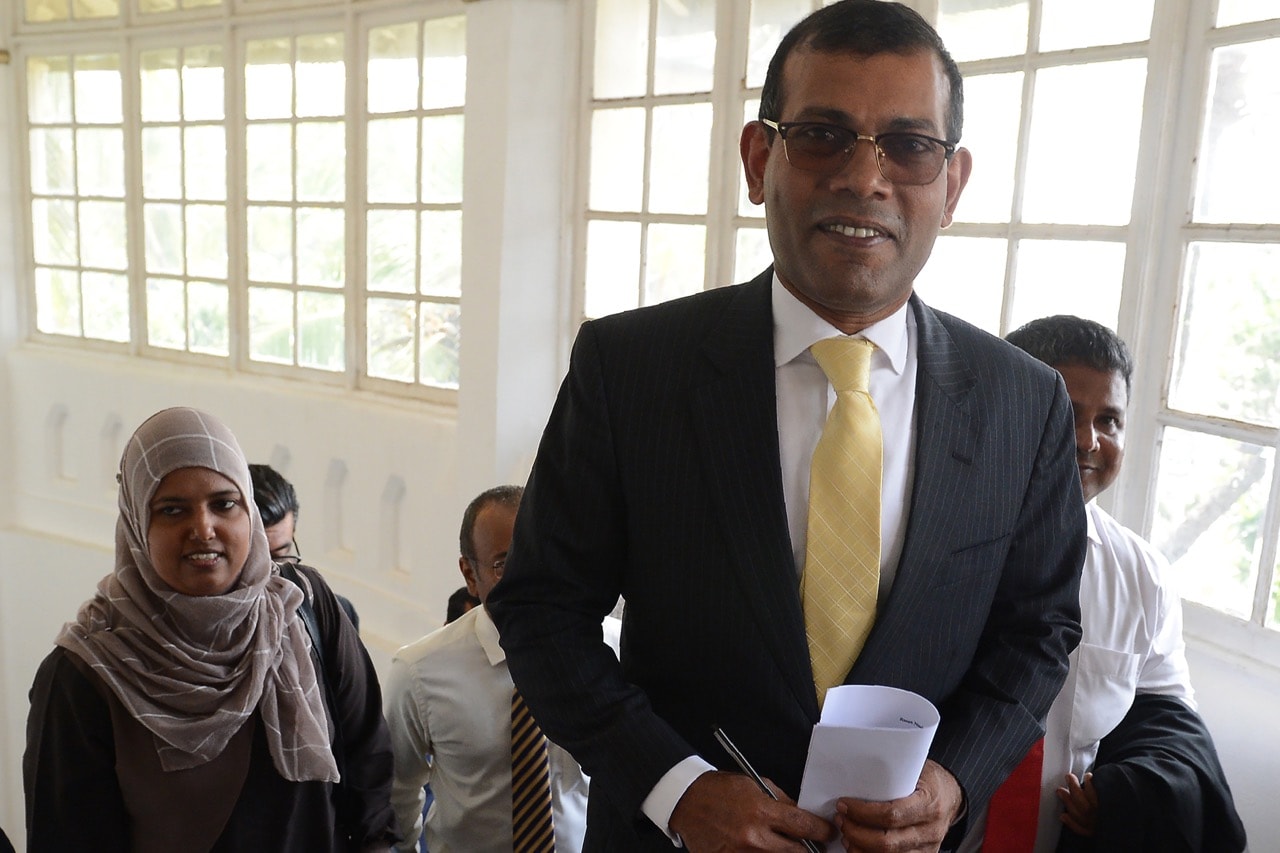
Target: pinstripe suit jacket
658, 478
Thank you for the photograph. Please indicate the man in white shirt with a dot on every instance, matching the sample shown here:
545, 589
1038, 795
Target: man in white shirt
1132, 648
448, 707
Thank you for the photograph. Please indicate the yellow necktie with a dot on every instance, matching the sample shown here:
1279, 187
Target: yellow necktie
532, 827
842, 554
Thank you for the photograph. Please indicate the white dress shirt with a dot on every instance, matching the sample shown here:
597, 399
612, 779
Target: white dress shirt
1131, 642
804, 397
448, 708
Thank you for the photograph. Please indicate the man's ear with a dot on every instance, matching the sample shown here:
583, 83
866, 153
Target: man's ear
469, 575
958, 170
755, 148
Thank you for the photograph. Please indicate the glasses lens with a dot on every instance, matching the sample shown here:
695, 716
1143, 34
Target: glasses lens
909, 158
818, 147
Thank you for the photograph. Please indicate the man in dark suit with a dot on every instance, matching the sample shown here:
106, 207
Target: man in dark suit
675, 471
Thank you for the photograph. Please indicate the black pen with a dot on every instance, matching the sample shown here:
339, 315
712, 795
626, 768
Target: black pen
745, 767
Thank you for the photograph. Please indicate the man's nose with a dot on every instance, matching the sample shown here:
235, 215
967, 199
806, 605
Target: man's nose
1086, 438
862, 171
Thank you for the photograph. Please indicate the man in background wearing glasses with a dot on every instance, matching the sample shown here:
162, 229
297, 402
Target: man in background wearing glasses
676, 470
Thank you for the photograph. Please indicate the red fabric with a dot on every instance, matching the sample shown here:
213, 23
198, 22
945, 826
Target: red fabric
1014, 811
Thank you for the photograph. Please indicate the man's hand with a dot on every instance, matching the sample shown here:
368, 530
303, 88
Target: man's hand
726, 811
1081, 801
917, 822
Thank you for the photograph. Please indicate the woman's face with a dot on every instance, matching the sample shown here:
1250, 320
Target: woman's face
200, 531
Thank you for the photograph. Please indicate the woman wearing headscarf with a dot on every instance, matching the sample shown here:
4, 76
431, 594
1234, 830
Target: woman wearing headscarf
183, 709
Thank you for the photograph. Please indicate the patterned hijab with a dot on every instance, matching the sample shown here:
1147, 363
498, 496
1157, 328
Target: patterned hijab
191, 669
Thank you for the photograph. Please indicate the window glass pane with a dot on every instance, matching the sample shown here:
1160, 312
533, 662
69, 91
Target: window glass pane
621, 48
86, 9
1233, 185
617, 160
393, 154
680, 159
52, 155
49, 89
153, 6
269, 148
207, 318
441, 253
751, 253
158, 78
978, 29
321, 246
438, 342
161, 162
1229, 337
268, 79
202, 83
102, 235
444, 71
271, 325
206, 162
322, 158
675, 259
1081, 23
390, 250
100, 161
166, 314
164, 238
1239, 11
106, 305
686, 48
54, 233
207, 240
270, 244
442, 160
965, 277
390, 338
393, 68
321, 330
745, 207
1210, 493
992, 109
1067, 277
613, 267
97, 89
57, 301
1056, 158
44, 11
322, 76
770, 20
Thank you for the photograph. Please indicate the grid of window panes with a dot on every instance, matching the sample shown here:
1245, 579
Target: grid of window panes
295, 189
1217, 494
184, 198
413, 215
75, 140
193, 197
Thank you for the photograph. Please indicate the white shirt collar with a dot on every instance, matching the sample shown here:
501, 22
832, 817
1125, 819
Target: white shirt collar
487, 634
796, 328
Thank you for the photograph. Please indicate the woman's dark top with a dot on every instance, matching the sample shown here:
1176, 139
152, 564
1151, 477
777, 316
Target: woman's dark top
81, 743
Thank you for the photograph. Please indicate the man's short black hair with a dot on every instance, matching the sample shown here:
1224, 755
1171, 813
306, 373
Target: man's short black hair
273, 494
508, 496
1064, 340
864, 28
459, 603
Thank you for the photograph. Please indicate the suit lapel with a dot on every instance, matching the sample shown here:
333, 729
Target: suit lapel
736, 426
947, 438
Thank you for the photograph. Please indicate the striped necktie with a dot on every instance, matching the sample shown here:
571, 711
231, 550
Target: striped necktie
842, 556
532, 829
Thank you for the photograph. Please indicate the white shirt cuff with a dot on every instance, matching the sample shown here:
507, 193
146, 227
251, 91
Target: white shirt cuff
662, 800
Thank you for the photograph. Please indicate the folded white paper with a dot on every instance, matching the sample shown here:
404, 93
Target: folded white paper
870, 743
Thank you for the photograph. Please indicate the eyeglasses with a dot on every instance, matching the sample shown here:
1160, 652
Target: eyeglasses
910, 159
497, 566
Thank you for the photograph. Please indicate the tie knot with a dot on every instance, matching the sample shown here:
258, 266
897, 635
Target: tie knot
846, 361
